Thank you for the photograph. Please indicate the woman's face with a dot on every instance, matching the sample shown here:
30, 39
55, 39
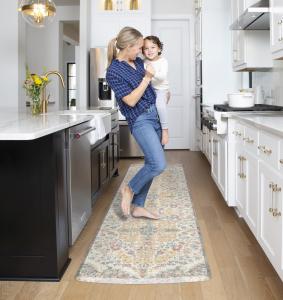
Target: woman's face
150, 50
135, 50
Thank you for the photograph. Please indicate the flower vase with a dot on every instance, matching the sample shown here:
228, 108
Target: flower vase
35, 106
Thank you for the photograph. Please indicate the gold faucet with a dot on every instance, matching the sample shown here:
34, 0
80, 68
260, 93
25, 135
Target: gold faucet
44, 101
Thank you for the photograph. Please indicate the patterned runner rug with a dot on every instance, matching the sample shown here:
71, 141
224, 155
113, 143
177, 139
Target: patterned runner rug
141, 251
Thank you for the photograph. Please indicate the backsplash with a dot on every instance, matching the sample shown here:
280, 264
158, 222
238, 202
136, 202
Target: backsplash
271, 82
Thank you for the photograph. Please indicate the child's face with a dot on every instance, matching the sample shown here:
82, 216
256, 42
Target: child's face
150, 50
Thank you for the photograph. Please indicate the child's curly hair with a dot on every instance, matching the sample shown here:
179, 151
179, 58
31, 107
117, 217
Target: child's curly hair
155, 41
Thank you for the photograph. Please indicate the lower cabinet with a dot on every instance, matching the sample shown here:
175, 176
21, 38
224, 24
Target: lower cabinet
104, 161
219, 161
247, 187
270, 231
114, 150
100, 171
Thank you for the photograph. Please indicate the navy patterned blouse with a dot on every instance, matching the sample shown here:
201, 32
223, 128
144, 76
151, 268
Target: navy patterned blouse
123, 79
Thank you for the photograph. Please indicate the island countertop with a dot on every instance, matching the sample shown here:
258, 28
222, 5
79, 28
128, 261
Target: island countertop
23, 126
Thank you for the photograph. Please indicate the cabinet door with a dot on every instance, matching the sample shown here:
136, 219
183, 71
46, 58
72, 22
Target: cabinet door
104, 162
95, 171
214, 164
252, 200
222, 157
240, 180
270, 232
276, 30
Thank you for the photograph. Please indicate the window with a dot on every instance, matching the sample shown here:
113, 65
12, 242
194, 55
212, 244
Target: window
71, 84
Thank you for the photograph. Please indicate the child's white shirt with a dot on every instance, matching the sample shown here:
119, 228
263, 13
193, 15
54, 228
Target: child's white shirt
160, 79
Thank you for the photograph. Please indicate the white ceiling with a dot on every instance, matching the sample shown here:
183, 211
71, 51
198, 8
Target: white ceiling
66, 2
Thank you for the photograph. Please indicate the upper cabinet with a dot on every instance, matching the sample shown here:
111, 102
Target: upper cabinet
250, 48
106, 24
276, 27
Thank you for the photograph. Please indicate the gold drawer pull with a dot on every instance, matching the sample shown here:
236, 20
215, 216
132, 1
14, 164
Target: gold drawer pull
261, 148
267, 151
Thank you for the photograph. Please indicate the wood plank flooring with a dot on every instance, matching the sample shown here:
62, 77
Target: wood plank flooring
240, 269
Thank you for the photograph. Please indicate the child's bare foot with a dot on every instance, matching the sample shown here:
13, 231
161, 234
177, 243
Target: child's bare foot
165, 137
142, 212
127, 196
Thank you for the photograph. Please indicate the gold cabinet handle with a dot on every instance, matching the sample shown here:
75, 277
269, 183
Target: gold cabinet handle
250, 141
271, 209
281, 161
275, 189
267, 151
261, 148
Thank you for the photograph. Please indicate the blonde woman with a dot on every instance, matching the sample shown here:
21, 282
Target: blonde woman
136, 99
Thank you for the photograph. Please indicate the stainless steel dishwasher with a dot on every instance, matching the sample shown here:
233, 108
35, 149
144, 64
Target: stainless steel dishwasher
79, 177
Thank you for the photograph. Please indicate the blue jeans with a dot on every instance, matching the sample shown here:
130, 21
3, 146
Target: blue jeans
147, 132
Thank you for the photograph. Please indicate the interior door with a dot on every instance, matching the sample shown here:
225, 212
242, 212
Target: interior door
175, 34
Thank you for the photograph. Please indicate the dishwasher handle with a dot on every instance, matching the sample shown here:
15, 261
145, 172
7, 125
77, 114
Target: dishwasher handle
78, 135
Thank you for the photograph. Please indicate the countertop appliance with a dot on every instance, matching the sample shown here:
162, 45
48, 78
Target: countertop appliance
79, 177
100, 92
128, 144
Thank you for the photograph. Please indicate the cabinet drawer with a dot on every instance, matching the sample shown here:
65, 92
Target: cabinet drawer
251, 139
268, 148
239, 132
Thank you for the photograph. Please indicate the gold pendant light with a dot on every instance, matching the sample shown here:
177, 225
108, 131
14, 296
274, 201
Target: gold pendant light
38, 13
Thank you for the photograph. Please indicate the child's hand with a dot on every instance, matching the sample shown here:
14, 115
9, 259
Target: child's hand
149, 70
168, 96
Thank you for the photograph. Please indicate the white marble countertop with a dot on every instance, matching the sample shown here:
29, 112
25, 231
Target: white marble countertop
269, 122
23, 126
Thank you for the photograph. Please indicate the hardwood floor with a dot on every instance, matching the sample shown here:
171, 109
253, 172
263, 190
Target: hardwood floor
240, 269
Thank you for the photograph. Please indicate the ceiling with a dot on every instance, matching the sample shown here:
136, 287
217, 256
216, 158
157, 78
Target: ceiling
66, 2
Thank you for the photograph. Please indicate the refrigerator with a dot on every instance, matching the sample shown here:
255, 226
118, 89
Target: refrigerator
100, 94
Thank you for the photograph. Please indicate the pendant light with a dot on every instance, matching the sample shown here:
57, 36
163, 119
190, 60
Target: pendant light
38, 13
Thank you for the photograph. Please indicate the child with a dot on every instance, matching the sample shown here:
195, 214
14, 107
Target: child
152, 49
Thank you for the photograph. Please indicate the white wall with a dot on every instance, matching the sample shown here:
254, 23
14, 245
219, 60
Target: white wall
172, 6
44, 48
10, 47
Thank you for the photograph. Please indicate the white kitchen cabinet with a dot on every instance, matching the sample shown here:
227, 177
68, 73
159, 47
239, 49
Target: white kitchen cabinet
251, 50
276, 28
270, 231
240, 180
105, 25
219, 161
250, 177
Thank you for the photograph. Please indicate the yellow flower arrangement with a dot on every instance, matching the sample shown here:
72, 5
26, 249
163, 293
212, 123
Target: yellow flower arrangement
34, 85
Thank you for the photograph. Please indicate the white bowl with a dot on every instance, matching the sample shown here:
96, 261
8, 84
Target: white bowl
241, 100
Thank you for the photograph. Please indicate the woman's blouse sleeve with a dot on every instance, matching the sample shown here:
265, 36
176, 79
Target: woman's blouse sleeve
120, 87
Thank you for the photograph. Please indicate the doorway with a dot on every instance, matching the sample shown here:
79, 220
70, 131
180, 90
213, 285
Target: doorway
176, 35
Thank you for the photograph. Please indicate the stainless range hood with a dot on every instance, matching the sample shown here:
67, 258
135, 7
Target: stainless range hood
256, 17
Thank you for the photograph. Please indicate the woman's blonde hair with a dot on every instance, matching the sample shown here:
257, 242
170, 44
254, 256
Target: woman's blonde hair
128, 36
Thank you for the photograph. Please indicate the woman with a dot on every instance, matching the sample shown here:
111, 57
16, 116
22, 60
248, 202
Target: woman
136, 99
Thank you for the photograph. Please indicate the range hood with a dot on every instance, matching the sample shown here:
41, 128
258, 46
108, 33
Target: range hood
256, 17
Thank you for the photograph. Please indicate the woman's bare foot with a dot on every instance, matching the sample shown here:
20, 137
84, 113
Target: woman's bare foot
127, 196
165, 137
142, 212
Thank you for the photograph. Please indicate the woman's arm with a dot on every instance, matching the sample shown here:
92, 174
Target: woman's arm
133, 98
